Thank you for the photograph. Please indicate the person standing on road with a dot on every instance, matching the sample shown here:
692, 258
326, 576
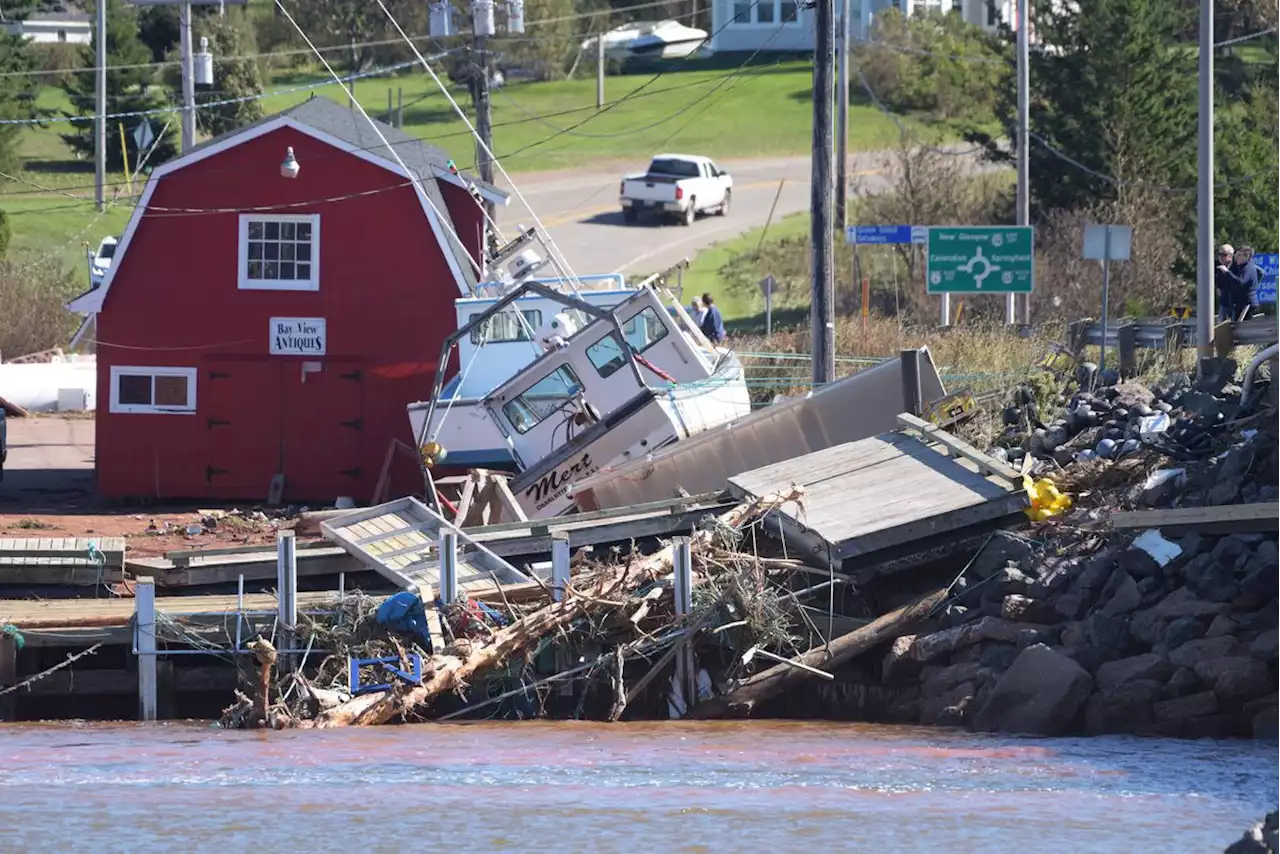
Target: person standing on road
1249, 278
1226, 282
712, 324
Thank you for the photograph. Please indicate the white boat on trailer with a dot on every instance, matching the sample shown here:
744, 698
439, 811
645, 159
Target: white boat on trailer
635, 377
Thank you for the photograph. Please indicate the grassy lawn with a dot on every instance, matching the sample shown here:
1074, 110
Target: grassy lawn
738, 305
764, 110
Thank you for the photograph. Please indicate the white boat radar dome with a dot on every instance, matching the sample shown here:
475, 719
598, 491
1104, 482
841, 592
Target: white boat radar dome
525, 265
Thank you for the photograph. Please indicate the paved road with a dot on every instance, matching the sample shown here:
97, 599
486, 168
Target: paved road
581, 211
50, 460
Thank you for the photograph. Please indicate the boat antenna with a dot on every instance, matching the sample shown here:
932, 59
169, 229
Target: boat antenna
409, 173
553, 251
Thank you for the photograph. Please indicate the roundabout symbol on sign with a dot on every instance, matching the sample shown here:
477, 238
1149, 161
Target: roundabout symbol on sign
987, 267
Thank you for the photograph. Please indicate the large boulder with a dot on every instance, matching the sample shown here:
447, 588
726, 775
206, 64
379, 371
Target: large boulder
1259, 839
1150, 666
1002, 549
944, 643
1185, 708
1184, 603
1265, 725
1265, 645
1024, 609
899, 667
1182, 630
1041, 694
1193, 652
1126, 598
1126, 708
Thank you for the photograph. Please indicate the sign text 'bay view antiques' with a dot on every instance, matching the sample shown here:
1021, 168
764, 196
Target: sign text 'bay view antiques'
297, 336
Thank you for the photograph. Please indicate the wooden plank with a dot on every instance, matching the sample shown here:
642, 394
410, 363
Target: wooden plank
29, 574
1232, 518
113, 548
511, 509
961, 448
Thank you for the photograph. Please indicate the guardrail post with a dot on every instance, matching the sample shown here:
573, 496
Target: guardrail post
1127, 346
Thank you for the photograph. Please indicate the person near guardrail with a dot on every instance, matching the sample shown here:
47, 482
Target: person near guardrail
1249, 278
713, 323
1226, 282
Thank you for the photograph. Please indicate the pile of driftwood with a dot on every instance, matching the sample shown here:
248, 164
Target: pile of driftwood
620, 609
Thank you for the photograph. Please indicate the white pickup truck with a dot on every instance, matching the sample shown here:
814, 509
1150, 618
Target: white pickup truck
677, 185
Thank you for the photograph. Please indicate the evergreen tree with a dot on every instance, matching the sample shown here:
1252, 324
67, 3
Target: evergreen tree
229, 37
129, 89
1112, 91
1247, 186
17, 97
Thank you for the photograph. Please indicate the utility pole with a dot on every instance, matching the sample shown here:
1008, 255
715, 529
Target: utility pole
822, 322
1012, 315
100, 122
842, 127
1204, 189
600, 71
188, 80
484, 125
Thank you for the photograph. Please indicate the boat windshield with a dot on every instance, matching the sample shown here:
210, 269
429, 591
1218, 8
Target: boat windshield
641, 332
543, 399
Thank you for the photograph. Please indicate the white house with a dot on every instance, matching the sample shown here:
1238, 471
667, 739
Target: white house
783, 25
67, 27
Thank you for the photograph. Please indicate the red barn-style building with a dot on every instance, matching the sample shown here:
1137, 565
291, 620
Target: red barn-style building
254, 324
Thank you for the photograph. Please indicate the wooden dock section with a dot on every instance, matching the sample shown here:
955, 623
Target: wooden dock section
891, 491
70, 561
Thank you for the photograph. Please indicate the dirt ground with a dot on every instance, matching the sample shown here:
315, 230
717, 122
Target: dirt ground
149, 534
47, 491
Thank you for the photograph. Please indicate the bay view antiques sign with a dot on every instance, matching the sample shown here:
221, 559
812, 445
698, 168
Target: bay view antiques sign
297, 336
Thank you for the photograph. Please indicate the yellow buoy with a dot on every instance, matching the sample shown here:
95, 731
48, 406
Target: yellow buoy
432, 453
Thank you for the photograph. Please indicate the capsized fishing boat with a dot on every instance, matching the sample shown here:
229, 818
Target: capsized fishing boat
494, 350
636, 376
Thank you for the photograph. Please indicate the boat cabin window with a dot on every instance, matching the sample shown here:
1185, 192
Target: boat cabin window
505, 327
543, 399
642, 331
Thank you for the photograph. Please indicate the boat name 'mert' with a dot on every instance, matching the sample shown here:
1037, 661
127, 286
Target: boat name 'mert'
554, 482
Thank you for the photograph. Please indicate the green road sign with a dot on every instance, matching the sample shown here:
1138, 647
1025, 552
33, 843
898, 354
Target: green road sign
980, 260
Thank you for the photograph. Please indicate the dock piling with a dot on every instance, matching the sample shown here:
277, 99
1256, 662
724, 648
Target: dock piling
144, 604
686, 667
448, 565
286, 593
8, 673
559, 564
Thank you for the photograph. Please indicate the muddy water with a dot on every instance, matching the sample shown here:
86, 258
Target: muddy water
759, 787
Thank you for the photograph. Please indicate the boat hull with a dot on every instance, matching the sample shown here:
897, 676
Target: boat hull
655, 421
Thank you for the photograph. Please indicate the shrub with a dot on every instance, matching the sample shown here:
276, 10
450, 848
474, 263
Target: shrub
32, 303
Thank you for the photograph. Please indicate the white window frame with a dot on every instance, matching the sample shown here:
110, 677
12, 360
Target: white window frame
755, 22
247, 284
117, 371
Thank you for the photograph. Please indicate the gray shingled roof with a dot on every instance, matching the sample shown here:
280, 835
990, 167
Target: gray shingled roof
350, 126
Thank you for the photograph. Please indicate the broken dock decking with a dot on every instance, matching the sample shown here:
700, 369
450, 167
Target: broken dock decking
884, 492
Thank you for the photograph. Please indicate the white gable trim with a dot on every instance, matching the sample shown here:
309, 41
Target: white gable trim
92, 301
496, 196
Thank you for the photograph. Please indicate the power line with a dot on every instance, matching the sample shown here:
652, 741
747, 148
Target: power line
411, 140
329, 49
220, 103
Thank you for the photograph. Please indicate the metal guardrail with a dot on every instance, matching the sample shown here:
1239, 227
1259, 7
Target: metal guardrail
1129, 334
